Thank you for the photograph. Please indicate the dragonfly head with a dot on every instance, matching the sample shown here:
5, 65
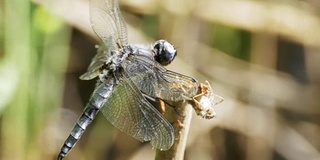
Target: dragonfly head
164, 52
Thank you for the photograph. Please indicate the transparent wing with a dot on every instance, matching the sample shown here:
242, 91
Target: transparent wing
129, 111
154, 80
107, 21
98, 60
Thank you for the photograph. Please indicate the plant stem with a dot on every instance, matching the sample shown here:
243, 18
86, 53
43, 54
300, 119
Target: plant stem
180, 117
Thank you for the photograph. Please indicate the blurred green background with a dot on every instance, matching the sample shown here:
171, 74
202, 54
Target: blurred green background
261, 56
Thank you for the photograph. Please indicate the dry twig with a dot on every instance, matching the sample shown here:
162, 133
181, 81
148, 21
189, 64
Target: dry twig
180, 117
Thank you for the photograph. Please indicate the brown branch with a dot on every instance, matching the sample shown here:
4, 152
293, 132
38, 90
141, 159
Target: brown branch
180, 117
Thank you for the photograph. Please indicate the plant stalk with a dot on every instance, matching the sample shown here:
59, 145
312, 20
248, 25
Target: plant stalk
180, 117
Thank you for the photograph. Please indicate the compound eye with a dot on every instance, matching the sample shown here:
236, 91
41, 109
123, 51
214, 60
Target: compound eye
164, 52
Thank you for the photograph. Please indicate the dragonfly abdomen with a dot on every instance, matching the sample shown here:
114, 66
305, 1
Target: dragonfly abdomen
97, 100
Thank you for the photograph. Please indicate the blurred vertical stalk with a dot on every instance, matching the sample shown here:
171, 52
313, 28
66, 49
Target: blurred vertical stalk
180, 118
17, 52
36, 47
50, 43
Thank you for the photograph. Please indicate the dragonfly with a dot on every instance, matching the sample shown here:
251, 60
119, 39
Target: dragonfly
127, 75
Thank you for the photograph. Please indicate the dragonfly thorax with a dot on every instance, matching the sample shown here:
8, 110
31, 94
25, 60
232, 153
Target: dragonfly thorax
113, 63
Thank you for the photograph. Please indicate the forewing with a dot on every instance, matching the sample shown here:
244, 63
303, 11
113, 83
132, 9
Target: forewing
156, 81
129, 111
107, 21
